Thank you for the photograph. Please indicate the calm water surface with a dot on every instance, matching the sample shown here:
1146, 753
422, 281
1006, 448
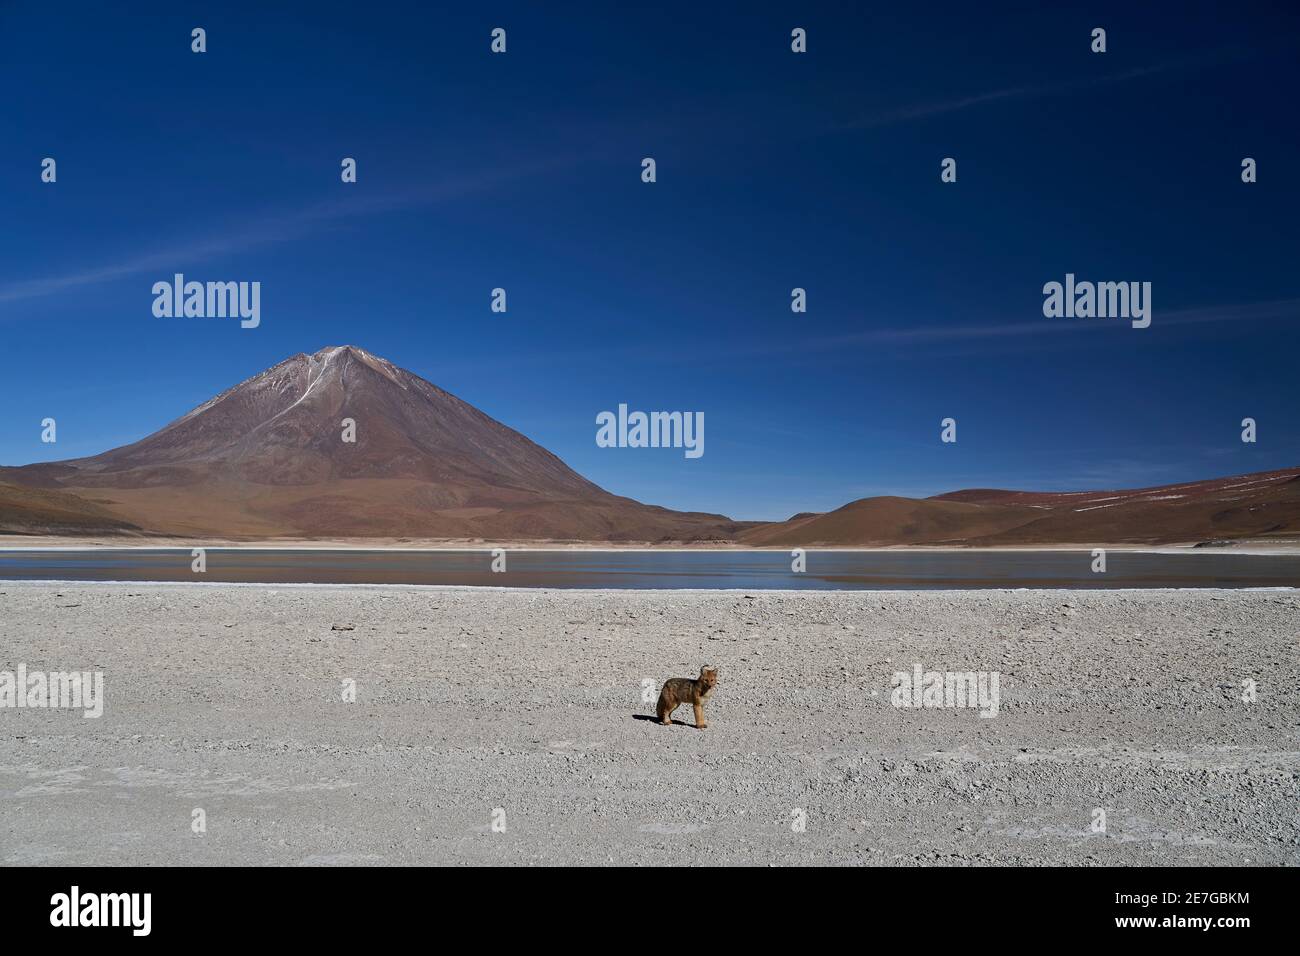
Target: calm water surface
749, 570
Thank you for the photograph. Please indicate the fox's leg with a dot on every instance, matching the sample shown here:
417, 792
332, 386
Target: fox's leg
665, 710
700, 722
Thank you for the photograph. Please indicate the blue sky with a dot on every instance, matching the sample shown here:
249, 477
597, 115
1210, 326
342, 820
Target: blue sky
775, 170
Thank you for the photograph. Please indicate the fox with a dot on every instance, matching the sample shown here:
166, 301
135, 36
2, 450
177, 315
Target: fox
679, 690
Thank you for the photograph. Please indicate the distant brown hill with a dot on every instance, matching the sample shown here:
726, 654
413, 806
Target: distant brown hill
266, 458
1260, 505
889, 520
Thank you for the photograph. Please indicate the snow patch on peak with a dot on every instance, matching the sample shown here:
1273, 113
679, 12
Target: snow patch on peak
372, 361
282, 377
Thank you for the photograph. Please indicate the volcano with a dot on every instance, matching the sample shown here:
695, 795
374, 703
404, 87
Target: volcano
270, 458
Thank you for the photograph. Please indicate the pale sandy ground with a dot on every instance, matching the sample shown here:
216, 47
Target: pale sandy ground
227, 698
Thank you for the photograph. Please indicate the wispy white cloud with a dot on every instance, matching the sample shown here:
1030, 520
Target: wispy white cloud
994, 338
273, 228
904, 334
917, 111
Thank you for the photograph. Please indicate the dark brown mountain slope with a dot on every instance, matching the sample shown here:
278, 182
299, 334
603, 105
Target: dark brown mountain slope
43, 511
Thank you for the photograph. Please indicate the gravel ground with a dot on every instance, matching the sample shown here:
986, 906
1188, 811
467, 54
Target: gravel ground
229, 699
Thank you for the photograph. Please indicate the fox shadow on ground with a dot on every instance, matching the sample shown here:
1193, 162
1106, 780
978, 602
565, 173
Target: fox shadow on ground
652, 717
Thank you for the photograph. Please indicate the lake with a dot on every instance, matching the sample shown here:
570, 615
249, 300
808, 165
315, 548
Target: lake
748, 570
